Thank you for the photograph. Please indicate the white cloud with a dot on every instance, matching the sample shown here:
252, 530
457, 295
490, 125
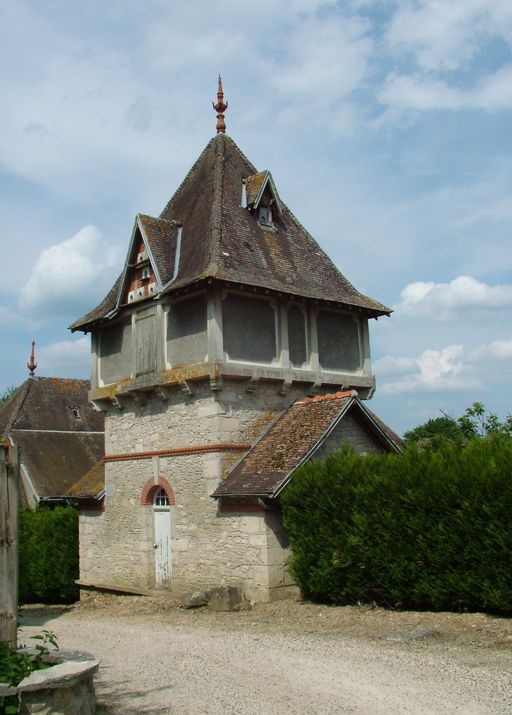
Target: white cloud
497, 350
425, 93
325, 60
71, 276
444, 35
443, 38
420, 93
65, 358
390, 365
434, 370
442, 301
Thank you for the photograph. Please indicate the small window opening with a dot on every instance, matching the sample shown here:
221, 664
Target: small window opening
161, 498
265, 215
75, 412
145, 274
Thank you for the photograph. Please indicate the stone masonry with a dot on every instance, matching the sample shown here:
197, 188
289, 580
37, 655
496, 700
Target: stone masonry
209, 548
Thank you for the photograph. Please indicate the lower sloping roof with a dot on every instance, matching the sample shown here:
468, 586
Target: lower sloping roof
55, 461
293, 438
91, 485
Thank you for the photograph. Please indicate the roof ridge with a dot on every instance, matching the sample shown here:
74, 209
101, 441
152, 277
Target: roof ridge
244, 157
329, 396
24, 389
171, 221
192, 168
216, 211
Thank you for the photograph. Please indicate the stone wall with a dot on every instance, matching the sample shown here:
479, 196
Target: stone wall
349, 431
208, 548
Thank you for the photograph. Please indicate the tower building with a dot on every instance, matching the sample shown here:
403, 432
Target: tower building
227, 317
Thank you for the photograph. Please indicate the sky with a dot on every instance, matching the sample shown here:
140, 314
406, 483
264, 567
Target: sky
385, 124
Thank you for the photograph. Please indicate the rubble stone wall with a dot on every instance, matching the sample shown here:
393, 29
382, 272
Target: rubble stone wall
208, 548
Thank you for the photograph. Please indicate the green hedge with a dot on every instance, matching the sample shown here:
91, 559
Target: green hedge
48, 563
417, 530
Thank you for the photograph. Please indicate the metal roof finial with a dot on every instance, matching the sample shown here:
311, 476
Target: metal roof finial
220, 108
32, 361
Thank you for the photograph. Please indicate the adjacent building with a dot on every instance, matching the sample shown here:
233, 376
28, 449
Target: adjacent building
60, 436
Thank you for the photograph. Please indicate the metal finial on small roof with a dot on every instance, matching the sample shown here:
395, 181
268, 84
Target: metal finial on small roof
220, 108
32, 361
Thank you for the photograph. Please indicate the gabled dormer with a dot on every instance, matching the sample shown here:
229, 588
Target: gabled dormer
259, 195
140, 278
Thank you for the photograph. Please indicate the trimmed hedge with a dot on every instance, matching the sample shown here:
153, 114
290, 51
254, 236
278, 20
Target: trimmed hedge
48, 564
417, 530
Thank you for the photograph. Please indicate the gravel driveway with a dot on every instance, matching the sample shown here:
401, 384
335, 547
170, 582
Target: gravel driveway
287, 657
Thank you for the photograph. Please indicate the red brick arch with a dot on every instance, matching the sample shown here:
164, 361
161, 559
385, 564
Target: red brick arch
149, 489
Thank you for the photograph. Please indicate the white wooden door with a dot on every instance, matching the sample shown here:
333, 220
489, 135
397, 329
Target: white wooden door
162, 544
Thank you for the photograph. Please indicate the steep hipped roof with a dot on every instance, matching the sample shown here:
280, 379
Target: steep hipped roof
46, 403
59, 434
293, 438
223, 240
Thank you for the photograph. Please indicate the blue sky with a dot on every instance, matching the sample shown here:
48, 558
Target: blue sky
386, 125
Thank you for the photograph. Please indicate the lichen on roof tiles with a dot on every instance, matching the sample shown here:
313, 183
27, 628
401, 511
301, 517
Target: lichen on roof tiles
222, 240
293, 437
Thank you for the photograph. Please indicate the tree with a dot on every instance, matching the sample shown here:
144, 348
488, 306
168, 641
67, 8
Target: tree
475, 423
7, 393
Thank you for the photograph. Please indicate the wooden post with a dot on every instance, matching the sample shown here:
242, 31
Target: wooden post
9, 495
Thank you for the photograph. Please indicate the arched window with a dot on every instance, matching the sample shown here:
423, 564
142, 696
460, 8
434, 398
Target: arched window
157, 495
161, 498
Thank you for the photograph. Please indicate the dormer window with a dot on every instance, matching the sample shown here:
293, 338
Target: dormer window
265, 215
259, 195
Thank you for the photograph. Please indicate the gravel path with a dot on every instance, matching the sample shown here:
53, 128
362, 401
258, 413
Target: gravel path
288, 658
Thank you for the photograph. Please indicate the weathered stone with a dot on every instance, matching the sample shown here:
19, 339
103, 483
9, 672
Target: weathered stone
222, 547
225, 598
64, 688
194, 599
244, 606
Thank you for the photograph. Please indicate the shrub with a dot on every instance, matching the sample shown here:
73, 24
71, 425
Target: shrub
48, 563
417, 530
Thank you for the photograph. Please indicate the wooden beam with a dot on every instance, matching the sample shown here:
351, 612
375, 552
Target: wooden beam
9, 501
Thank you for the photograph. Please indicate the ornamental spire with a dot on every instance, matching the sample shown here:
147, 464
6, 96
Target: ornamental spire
32, 361
220, 108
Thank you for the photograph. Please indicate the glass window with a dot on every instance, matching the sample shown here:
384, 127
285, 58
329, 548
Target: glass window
161, 498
